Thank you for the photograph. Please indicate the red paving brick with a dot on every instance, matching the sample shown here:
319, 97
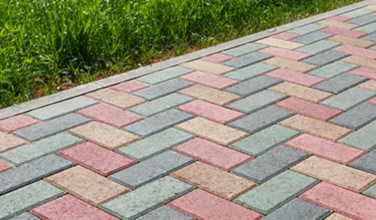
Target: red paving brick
213, 154
365, 72
204, 205
358, 51
340, 18
344, 32
4, 166
211, 80
285, 36
130, 86
96, 158
295, 77
372, 101
15, 123
217, 58
284, 53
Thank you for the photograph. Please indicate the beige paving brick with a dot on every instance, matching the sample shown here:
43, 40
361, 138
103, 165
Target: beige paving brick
301, 92
115, 98
211, 95
337, 24
87, 185
371, 7
290, 64
208, 67
335, 173
316, 127
351, 41
214, 180
360, 61
369, 85
212, 131
9, 141
336, 216
104, 135
280, 43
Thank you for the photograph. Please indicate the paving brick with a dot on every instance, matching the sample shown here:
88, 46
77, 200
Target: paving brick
26, 198
340, 83
356, 51
369, 28
155, 144
290, 64
164, 75
336, 216
244, 49
318, 47
165, 213
252, 86
358, 13
61, 108
158, 123
329, 150
157, 106
351, 41
332, 70
299, 209
312, 37
370, 37
4, 166
212, 154
246, 60
285, 36
211, 95
356, 117
366, 163
371, 7
325, 58
372, 101
341, 200
32, 172
214, 180
151, 169
69, 207
301, 92
338, 174
16, 123
249, 72
276, 192
9, 142
96, 158
40, 148
162, 89
146, 198
217, 58
360, 61
340, 18
264, 140
306, 29
130, 86
204, 205
337, 24
207, 67
280, 43
371, 191
210, 111
212, 131
110, 115
25, 216
363, 20
104, 135
316, 127
284, 53
261, 119
87, 185
365, 72
349, 99
270, 164
210, 80
295, 77
118, 99
344, 32
364, 138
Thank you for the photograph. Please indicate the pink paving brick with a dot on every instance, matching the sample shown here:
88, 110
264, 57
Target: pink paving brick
217, 58
285, 36
213, 154
211, 80
210, 111
284, 53
110, 115
4, 166
96, 158
295, 77
325, 149
341, 200
340, 18
344, 32
130, 86
373, 14
372, 101
356, 51
15, 123
69, 207
365, 72
203, 205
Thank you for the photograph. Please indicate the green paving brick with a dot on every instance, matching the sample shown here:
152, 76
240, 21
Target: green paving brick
257, 101
155, 144
372, 48
264, 140
28, 197
306, 29
349, 99
250, 72
275, 192
146, 198
369, 28
371, 191
156, 106
318, 47
164, 75
364, 138
242, 50
357, 13
40, 148
332, 70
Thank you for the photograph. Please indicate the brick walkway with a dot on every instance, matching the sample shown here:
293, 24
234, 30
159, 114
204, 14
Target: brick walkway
280, 128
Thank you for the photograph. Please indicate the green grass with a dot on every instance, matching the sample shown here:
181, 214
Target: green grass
49, 45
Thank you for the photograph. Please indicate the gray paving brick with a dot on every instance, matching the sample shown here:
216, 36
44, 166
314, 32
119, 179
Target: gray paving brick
299, 209
270, 164
363, 20
340, 83
363, 139
25, 216
261, 119
246, 60
371, 37
369, 28
366, 163
253, 85
151, 169
306, 29
164, 75
162, 89
356, 117
325, 58
49, 128
165, 213
244, 49
312, 37
158, 122
249, 72
318, 47
332, 70
32, 171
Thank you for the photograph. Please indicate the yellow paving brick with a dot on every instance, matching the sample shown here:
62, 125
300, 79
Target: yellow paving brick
208, 67
351, 41
336, 216
371, 7
335, 173
115, 98
337, 24
280, 43
360, 61
290, 64
369, 85
9, 141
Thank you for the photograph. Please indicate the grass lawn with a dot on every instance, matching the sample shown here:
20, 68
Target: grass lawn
52, 45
